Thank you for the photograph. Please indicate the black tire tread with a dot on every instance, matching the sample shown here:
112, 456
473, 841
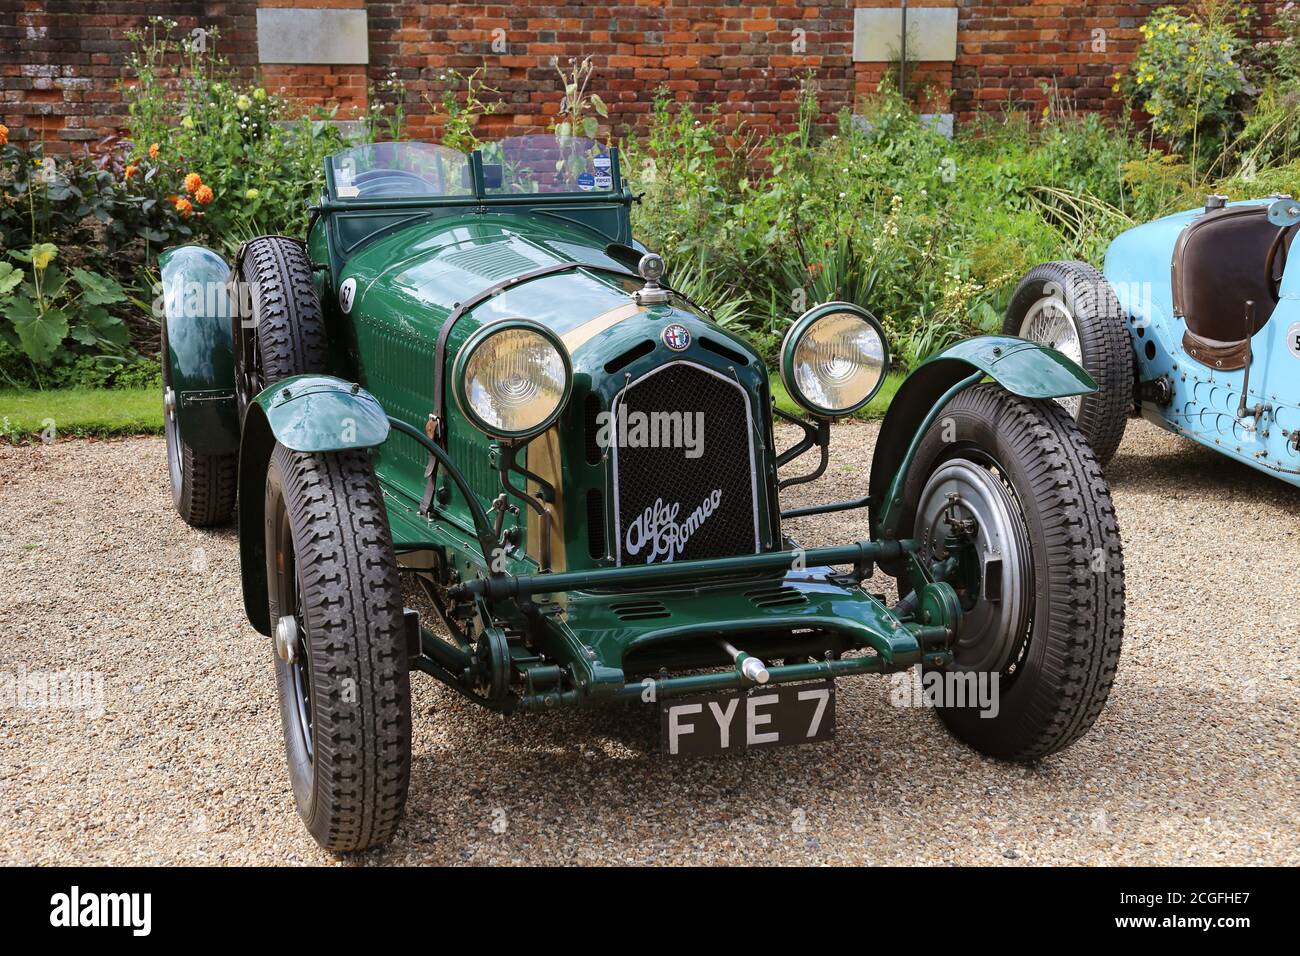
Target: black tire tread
291, 334
1085, 621
1107, 348
209, 484
352, 602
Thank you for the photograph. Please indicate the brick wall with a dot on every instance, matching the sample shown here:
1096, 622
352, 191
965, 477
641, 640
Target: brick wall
743, 57
61, 60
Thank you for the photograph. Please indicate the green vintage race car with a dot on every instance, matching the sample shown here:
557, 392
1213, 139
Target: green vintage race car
471, 373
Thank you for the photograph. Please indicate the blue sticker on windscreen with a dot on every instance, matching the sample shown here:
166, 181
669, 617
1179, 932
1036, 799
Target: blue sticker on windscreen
602, 161
586, 181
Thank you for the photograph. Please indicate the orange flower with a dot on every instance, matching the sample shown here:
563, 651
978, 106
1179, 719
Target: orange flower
203, 195
130, 171
4, 135
192, 182
153, 151
184, 207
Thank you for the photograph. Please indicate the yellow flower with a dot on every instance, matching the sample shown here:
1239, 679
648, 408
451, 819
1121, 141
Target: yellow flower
242, 102
188, 122
259, 94
251, 194
43, 254
1115, 88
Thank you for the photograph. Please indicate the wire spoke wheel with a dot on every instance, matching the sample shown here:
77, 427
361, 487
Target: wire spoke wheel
1050, 323
1072, 308
292, 639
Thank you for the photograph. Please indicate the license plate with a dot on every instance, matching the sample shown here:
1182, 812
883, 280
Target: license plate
763, 717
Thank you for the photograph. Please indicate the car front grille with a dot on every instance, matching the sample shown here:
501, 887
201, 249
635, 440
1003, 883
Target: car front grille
685, 483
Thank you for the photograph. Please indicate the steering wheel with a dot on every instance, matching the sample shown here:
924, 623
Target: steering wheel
393, 182
1278, 248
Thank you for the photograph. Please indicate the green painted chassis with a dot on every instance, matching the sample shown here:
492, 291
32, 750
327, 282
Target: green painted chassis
527, 640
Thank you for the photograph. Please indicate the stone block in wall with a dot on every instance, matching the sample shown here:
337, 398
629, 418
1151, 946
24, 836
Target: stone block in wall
931, 34
320, 35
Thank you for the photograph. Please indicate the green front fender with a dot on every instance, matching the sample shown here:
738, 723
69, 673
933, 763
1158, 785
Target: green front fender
1023, 368
316, 413
305, 413
200, 357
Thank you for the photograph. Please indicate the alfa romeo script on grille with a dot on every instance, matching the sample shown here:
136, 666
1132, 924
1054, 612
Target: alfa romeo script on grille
673, 506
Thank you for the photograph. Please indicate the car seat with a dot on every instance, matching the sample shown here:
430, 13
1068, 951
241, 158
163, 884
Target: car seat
1219, 265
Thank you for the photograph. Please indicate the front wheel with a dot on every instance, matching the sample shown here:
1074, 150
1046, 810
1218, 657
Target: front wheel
1007, 492
341, 658
1071, 307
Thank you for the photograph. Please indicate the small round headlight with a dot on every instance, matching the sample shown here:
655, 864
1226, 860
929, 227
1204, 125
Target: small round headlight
512, 378
834, 359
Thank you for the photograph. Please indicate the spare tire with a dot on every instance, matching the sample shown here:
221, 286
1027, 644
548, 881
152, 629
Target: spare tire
279, 326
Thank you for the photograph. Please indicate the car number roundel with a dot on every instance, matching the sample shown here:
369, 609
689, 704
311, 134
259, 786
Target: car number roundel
347, 294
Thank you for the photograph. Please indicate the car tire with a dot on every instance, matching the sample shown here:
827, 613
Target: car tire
1053, 639
1096, 337
203, 486
345, 693
287, 323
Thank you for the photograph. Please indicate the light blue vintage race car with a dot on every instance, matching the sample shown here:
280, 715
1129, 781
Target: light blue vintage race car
1195, 326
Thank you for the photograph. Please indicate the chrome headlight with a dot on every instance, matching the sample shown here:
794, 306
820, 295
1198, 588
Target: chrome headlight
512, 378
834, 359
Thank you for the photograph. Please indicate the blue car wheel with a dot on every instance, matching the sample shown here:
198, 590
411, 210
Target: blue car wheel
1071, 307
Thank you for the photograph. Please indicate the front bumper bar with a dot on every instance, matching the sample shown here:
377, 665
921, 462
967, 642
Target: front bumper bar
861, 555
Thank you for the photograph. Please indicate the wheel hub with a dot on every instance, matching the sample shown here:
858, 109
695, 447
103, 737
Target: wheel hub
966, 503
1050, 322
286, 639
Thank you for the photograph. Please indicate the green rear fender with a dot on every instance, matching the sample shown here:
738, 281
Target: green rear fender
200, 356
307, 413
1023, 368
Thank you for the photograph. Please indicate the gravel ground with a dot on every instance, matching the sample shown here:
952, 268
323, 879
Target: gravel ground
1195, 760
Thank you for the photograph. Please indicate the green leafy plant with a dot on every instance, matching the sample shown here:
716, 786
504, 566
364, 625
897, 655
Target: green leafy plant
386, 117
206, 121
40, 302
462, 105
1188, 76
580, 111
